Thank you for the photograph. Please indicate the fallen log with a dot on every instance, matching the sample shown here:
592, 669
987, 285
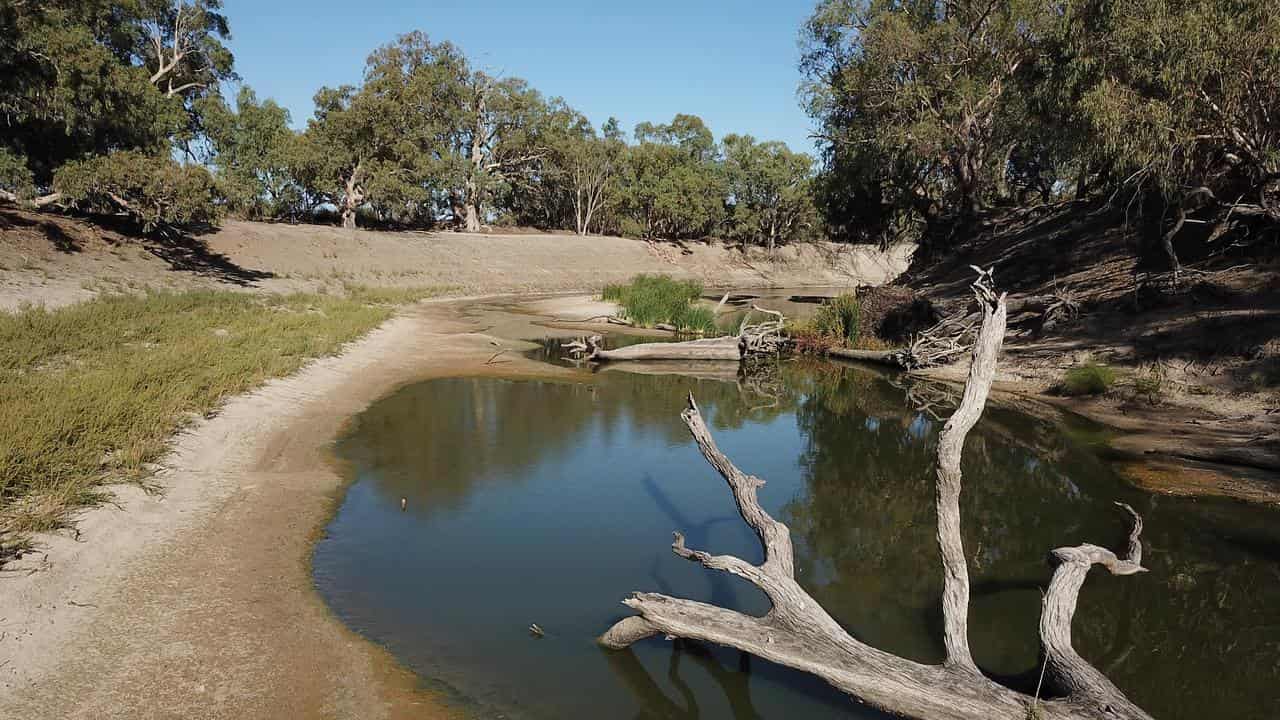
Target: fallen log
892, 358
798, 633
721, 348
752, 340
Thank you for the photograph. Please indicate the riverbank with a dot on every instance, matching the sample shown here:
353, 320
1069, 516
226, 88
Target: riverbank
197, 601
54, 260
1195, 361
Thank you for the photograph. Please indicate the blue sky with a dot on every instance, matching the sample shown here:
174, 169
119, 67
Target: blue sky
732, 63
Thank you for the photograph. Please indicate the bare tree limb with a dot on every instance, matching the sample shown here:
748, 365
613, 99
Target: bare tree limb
1069, 672
955, 572
798, 633
39, 202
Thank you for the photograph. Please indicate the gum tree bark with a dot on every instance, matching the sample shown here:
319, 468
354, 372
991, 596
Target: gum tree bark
799, 633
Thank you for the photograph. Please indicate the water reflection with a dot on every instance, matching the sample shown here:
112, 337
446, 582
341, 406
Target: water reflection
549, 502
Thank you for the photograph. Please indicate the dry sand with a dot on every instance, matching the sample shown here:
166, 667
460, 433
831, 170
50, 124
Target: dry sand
52, 260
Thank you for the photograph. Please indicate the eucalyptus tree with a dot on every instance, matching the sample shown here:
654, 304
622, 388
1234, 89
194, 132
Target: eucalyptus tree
254, 153
503, 132
87, 84
1177, 101
180, 42
770, 191
687, 132
910, 94
672, 184
385, 144
586, 166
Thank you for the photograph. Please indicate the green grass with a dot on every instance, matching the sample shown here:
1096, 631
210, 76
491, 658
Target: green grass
1150, 384
390, 295
93, 392
651, 299
837, 319
1088, 379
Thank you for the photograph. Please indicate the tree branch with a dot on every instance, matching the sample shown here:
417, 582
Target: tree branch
955, 571
798, 633
1070, 673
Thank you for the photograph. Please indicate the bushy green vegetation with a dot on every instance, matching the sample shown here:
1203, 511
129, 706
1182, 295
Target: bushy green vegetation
93, 392
652, 299
89, 89
1088, 379
932, 111
95, 112
156, 191
836, 323
838, 318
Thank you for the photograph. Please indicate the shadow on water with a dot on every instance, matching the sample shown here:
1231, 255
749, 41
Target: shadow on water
550, 502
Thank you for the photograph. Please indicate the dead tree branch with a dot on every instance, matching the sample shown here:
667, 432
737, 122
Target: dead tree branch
799, 633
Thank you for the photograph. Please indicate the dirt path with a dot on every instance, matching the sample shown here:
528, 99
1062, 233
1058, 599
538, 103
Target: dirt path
198, 601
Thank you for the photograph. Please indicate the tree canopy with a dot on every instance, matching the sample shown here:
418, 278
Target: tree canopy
928, 113
119, 107
931, 111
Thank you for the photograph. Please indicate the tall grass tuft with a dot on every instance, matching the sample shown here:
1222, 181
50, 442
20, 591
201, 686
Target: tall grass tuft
1088, 379
92, 392
651, 299
838, 318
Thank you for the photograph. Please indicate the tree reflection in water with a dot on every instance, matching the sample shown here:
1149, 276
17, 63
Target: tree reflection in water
547, 498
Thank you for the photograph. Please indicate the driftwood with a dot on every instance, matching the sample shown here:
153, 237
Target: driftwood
799, 633
892, 358
763, 338
721, 348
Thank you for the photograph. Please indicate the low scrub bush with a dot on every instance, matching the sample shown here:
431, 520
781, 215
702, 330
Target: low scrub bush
807, 340
1088, 379
1150, 384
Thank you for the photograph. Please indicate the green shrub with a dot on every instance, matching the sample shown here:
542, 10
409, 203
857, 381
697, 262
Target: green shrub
838, 318
154, 190
807, 340
1150, 384
651, 299
1088, 379
14, 175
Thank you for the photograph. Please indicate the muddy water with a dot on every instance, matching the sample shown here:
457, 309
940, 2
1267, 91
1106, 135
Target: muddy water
540, 502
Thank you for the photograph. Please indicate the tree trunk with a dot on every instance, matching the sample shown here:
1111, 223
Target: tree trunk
478, 135
37, 202
473, 215
798, 633
721, 348
353, 195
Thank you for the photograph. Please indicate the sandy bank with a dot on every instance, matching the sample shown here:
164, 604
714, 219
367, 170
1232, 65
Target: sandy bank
197, 601
53, 260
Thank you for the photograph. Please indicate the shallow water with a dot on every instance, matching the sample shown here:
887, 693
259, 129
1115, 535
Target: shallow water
544, 502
